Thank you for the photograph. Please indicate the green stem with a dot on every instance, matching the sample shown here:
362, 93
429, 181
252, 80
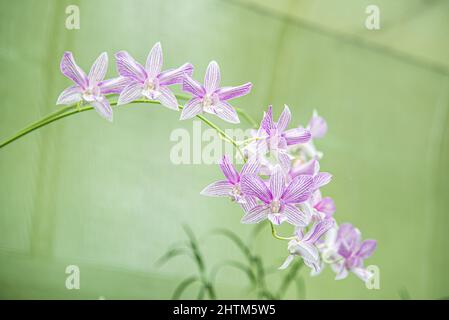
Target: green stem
275, 235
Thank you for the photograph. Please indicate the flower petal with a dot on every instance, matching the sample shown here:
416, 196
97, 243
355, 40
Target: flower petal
267, 120
167, 98
317, 230
297, 136
191, 109
114, 85
295, 216
317, 126
326, 206
252, 185
367, 248
192, 86
277, 218
299, 189
70, 95
363, 274
98, 69
130, 68
228, 93
321, 179
103, 108
287, 262
175, 76
284, 119
228, 170
132, 91
218, 189
212, 77
251, 166
154, 62
70, 69
248, 203
284, 160
307, 251
277, 182
226, 112
256, 214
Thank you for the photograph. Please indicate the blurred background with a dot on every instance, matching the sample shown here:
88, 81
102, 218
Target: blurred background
107, 198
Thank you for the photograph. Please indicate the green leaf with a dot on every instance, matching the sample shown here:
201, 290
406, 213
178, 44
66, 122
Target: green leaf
289, 277
172, 253
183, 286
238, 241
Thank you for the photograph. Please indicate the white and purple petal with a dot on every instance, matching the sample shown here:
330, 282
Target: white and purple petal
70, 95
175, 76
131, 92
71, 70
228, 93
98, 70
103, 108
228, 170
212, 77
299, 189
252, 185
297, 136
192, 86
226, 112
256, 214
153, 65
130, 68
218, 189
167, 98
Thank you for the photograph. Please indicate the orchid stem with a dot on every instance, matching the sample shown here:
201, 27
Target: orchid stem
276, 236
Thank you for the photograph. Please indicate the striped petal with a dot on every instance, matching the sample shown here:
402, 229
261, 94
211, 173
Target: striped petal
192, 86
103, 108
218, 189
132, 91
277, 182
212, 77
153, 66
98, 69
299, 189
228, 93
71, 70
228, 170
256, 214
226, 112
284, 119
130, 68
167, 98
191, 109
295, 216
297, 136
70, 95
114, 85
252, 185
175, 76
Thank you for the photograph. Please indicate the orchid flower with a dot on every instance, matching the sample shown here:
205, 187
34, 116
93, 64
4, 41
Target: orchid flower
353, 252
149, 81
304, 245
231, 186
278, 199
210, 98
274, 137
89, 89
324, 208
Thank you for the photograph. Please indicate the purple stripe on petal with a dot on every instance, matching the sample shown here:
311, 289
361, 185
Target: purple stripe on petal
98, 69
297, 136
130, 68
252, 166
70, 95
248, 203
307, 251
167, 98
228, 170
226, 112
277, 182
317, 230
284, 160
295, 216
256, 214
267, 121
277, 218
154, 62
192, 86
114, 85
212, 77
228, 93
103, 108
321, 179
218, 189
70, 69
367, 248
299, 189
191, 109
132, 91
252, 185
175, 76
284, 119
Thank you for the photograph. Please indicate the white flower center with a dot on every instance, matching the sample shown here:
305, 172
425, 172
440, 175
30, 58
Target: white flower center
275, 206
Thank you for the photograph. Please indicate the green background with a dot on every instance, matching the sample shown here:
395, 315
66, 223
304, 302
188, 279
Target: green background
107, 198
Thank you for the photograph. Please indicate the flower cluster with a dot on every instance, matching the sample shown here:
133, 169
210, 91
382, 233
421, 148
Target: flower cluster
281, 182
136, 81
281, 179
